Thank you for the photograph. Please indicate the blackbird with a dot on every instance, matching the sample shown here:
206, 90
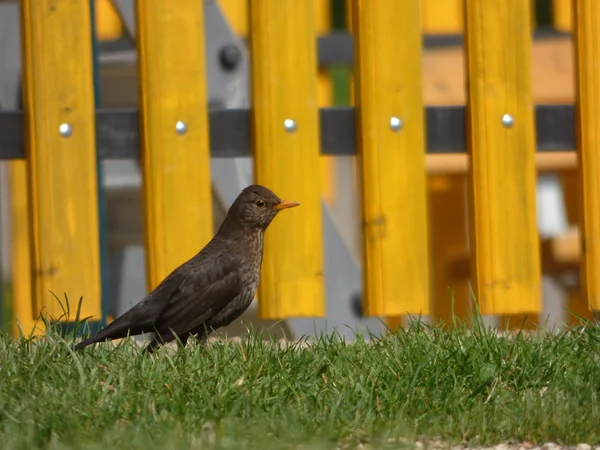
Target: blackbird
214, 287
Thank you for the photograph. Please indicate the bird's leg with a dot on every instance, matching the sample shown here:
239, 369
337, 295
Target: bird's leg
200, 334
157, 341
182, 341
201, 337
163, 339
152, 346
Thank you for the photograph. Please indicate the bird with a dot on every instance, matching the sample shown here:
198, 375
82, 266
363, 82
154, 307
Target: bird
212, 288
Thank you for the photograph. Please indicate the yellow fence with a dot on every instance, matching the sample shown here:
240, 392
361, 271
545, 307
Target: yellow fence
55, 220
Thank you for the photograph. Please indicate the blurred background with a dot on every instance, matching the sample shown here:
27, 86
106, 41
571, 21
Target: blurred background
226, 23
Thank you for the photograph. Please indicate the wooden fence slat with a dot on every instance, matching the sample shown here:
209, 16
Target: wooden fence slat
449, 240
504, 236
324, 100
587, 56
58, 105
236, 12
391, 143
562, 14
108, 22
174, 129
442, 16
20, 252
286, 154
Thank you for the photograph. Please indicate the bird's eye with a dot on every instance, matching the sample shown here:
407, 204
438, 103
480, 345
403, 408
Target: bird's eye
260, 203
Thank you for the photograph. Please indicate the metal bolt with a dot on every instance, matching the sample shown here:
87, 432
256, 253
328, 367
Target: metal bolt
65, 130
507, 120
180, 127
395, 123
356, 305
230, 56
289, 125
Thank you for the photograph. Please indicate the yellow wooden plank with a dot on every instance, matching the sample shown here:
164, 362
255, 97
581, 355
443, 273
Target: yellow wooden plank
236, 12
516, 322
587, 45
449, 238
60, 135
323, 27
284, 88
355, 172
175, 141
577, 308
351, 87
504, 237
391, 143
108, 22
442, 16
350, 27
569, 180
20, 257
562, 13
325, 99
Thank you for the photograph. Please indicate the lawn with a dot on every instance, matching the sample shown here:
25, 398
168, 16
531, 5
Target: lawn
465, 385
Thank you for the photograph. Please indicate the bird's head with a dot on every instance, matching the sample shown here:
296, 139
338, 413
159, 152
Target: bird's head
257, 206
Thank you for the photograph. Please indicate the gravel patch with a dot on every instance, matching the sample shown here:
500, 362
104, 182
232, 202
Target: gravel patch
438, 444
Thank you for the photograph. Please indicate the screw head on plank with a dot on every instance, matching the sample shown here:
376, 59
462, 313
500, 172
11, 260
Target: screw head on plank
289, 125
65, 130
180, 127
507, 120
395, 123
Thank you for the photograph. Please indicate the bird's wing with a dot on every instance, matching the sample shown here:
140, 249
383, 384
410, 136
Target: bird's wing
204, 292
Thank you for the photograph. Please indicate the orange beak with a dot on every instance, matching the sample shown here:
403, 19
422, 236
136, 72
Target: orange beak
286, 204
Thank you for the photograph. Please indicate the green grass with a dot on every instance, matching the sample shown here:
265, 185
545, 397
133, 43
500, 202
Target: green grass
468, 385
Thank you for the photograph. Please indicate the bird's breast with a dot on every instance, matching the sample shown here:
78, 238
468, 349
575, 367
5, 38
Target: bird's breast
250, 275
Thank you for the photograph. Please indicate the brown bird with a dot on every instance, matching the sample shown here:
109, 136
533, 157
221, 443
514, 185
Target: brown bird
214, 287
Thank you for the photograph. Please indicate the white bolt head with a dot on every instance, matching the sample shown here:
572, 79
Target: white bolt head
65, 130
395, 123
289, 125
180, 127
507, 120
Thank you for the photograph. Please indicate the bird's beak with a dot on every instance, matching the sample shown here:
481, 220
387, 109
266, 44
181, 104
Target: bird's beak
285, 204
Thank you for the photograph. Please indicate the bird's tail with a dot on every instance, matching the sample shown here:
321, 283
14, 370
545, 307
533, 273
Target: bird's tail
86, 342
115, 330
